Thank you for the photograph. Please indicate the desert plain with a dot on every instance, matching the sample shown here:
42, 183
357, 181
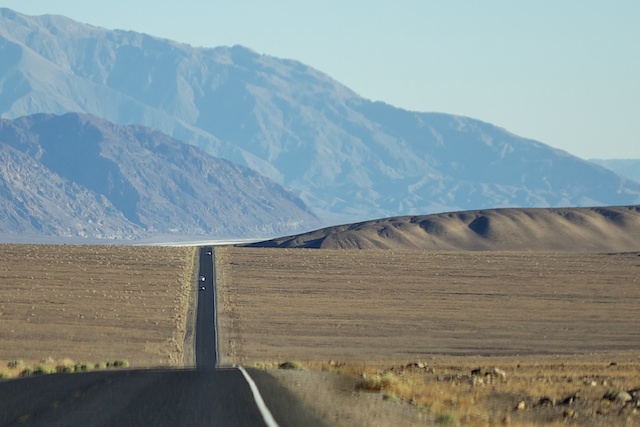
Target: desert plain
384, 337
464, 337
95, 303
395, 304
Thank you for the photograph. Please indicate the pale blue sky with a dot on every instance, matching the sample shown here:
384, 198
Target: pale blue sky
566, 73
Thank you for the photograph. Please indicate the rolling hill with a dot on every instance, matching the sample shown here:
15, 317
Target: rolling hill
598, 229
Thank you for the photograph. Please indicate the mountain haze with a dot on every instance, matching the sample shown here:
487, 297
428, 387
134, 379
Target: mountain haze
347, 158
629, 168
80, 176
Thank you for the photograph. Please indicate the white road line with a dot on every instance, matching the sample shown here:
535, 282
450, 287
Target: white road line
262, 407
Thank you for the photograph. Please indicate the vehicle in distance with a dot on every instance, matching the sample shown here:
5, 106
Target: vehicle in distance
202, 278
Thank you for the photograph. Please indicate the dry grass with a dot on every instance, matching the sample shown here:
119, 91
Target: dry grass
95, 303
524, 391
403, 305
553, 322
19, 368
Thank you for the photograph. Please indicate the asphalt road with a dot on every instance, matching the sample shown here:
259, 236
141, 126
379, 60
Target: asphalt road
206, 345
205, 396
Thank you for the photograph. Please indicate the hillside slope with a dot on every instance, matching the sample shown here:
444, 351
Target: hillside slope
81, 176
348, 158
601, 229
629, 168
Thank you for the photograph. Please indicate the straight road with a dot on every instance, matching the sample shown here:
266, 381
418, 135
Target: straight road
205, 396
130, 398
206, 339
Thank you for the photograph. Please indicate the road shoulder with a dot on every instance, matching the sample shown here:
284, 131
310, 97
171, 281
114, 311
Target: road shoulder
189, 354
333, 398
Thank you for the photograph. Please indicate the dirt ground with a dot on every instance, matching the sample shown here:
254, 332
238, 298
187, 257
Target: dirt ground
95, 303
558, 325
405, 305
429, 327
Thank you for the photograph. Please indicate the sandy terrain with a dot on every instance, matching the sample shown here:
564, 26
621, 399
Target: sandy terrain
559, 324
603, 229
391, 304
553, 321
580, 390
95, 303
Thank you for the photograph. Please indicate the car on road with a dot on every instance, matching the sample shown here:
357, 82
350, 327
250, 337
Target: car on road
202, 278
202, 288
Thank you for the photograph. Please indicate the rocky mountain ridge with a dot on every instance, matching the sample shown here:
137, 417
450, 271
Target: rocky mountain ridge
80, 176
349, 159
629, 168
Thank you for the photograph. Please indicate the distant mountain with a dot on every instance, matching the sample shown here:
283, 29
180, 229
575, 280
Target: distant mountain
348, 158
602, 229
629, 168
81, 176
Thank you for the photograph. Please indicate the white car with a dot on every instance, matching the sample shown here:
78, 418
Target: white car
202, 278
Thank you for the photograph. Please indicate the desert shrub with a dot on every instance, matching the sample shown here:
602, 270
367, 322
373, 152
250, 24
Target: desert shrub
263, 365
64, 369
291, 365
61, 367
4, 376
389, 379
426, 409
390, 396
43, 370
377, 382
369, 383
120, 364
446, 420
15, 364
82, 367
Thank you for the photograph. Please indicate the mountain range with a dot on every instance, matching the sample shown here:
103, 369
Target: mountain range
629, 168
80, 176
348, 158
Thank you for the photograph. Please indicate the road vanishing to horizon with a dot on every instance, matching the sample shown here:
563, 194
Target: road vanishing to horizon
208, 395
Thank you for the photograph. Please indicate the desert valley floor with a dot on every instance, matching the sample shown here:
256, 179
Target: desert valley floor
554, 325
390, 304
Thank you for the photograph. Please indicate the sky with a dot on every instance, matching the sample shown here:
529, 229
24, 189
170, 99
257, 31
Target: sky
566, 73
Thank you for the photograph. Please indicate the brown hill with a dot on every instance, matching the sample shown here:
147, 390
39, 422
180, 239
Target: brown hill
596, 229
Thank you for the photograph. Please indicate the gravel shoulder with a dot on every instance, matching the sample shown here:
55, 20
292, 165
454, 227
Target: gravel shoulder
334, 399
